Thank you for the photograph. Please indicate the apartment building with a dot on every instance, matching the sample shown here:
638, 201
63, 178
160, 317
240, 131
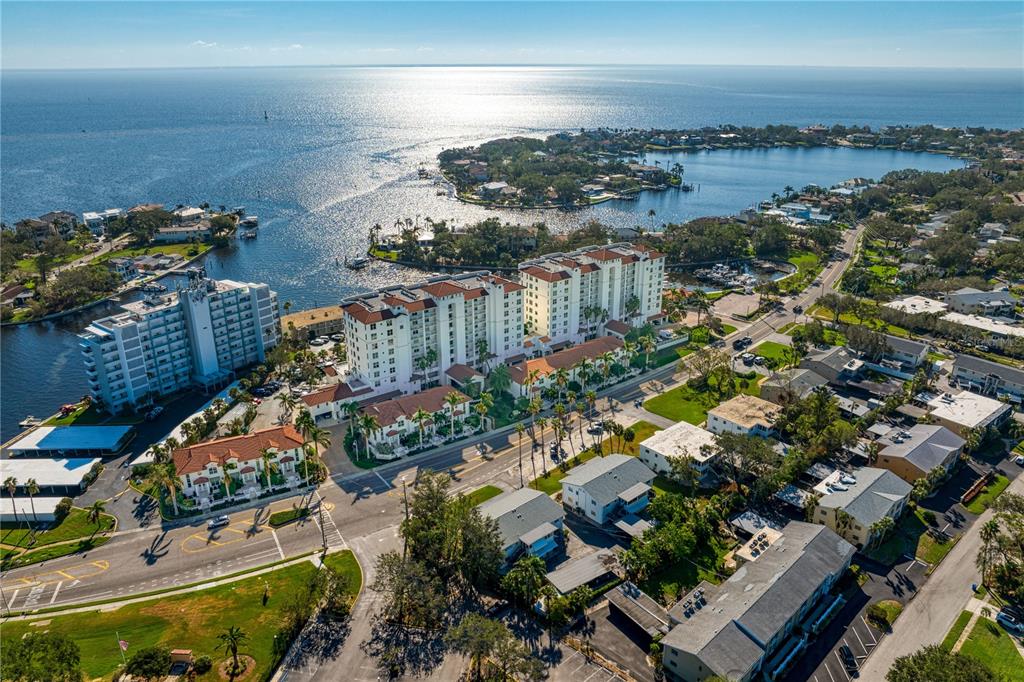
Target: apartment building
401, 338
852, 503
197, 336
758, 620
990, 378
681, 440
746, 415
569, 296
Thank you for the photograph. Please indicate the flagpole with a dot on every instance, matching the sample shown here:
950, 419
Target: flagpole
119, 647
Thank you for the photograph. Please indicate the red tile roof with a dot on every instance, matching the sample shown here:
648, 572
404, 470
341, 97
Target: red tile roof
245, 448
431, 400
617, 326
565, 358
341, 391
361, 314
545, 275
462, 373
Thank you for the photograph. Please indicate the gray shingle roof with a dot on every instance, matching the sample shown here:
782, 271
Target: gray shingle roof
871, 497
927, 446
798, 380
907, 346
743, 613
1005, 372
604, 478
520, 512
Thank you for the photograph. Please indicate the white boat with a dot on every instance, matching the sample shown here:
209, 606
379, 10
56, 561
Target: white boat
249, 221
357, 263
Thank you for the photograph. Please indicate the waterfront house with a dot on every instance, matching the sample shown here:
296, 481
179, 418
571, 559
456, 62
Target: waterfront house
744, 414
398, 431
188, 232
760, 619
187, 215
97, 221
851, 503
529, 523
490, 190
605, 489
913, 453
235, 467
679, 441
309, 324
125, 267
545, 368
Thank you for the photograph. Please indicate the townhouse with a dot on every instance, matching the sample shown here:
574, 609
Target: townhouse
444, 407
237, 467
543, 371
569, 296
402, 338
197, 336
987, 377
964, 412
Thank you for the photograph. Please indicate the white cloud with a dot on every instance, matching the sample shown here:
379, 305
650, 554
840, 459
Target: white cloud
424, 49
202, 43
289, 48
379, 49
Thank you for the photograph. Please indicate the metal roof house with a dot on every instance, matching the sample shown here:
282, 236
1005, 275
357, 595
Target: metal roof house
55, 477
529, 522
607, 487
746, 625
56, 441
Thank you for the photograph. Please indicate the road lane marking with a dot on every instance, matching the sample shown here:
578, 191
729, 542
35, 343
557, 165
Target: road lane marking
55, 591
874, 640
383, 480
842, 665
14, 596
76, 572
829, 671
277, 542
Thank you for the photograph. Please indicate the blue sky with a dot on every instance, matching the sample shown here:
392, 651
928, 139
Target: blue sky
208, 34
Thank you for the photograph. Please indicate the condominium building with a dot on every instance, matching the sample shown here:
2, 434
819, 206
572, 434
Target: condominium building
196, 336
569, 296
401, 338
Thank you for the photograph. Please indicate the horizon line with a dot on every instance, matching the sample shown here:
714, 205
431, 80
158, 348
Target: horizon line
464, 65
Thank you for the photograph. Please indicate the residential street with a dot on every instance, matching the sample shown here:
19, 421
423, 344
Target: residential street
931, 614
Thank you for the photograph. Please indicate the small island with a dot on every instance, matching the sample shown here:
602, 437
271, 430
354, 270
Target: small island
575, 170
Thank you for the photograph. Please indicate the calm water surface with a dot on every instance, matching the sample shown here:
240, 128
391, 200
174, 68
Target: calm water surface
341, 146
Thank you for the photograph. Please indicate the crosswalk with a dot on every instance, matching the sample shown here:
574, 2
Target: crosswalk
329, 529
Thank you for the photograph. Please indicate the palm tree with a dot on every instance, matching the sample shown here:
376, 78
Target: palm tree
11, 485
32, 488
420, 416
483, 406
591, 397
520, 429
318, 438
350, 410
561, 380
453, 400
699, 300
288, 403
161, 478
535, 408
989, 533
581, 410
607, 360
230, 640
94, 513
368, 425
270, 465
648, 345
880, 528
843, 521
543, 422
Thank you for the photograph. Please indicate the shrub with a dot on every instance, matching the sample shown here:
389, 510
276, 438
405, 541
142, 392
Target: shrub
929, 517
152, 662
878, 615
142, 471
93, 474
62, 509
202, 665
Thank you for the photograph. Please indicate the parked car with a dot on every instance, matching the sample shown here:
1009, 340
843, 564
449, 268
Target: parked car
595, 430
154, 413
638, 403
1010, 623
218, 522
849, 660
747, 358
798, 309
1019, 460
759, 361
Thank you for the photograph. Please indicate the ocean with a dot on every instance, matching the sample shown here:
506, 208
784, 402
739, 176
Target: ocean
321, 154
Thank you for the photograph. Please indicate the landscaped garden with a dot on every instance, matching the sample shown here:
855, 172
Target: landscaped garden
259, 605
911, 538
76, 533
619, 444
482, 494
990, 644
988, 494
669, 584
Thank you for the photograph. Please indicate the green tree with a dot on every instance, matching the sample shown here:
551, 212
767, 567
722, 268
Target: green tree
32, 489
231, 640
149, 663
94, 513
499, 380
41, 657
935, 664
11, 486
476, 637
525, 580
164, 480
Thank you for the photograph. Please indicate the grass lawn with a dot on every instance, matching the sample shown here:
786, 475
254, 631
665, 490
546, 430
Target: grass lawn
182, 250
88, 415
664, 356
954, 632
552, 483
774, 353
669, 584
808, 265
991, 644
48, 552
280, 518
663, 485
871, 321
643, 431
988, 494
75, 525
832, 337
684, 403
483, 494
344, 563
190, 621
891, 608
909, 537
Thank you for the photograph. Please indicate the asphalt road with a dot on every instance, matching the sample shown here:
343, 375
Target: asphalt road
360, 511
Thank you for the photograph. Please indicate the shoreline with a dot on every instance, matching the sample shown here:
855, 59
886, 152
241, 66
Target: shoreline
108, 298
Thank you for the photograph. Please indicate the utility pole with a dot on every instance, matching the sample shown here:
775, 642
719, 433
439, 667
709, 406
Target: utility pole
323, 530
405, 501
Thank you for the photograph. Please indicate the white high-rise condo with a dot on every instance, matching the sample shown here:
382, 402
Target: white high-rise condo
570, 296
401, 338
198, 335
